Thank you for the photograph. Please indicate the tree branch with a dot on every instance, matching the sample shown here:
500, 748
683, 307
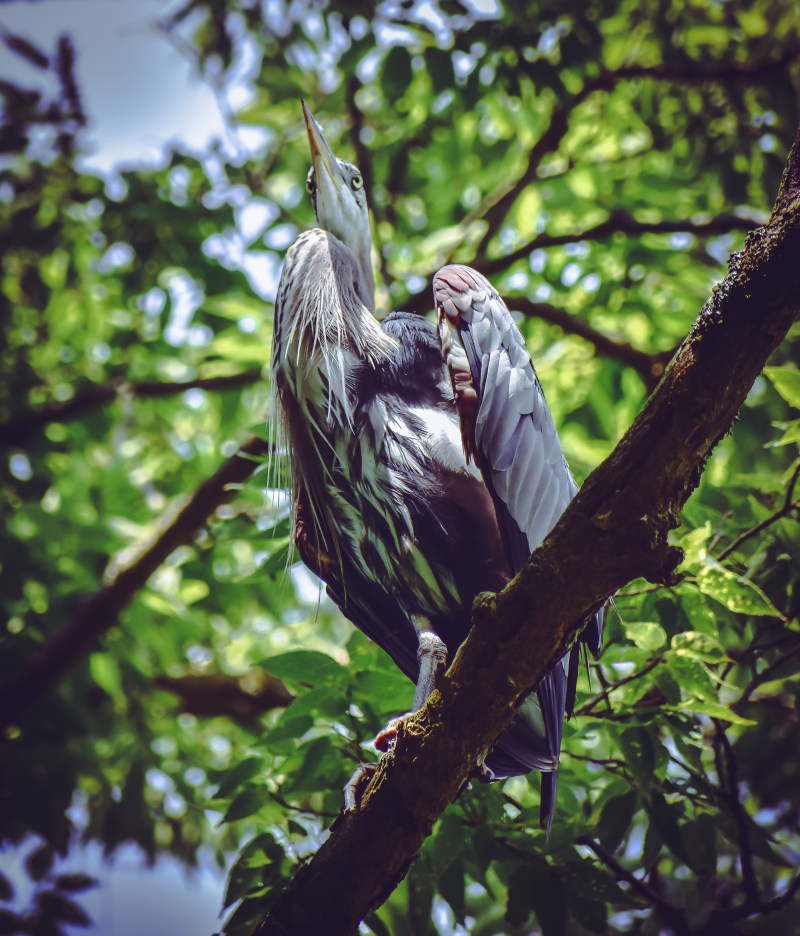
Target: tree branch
614, 531
621, 222
728, 792
588, 708
99, 612
650, 367
18, 431
671, 914
788, 507
496, 207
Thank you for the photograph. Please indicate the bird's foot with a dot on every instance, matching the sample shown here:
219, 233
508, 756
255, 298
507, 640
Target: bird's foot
355, 786
483, 775
385, 739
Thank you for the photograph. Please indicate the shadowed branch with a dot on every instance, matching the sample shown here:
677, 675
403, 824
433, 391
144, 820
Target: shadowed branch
100, 611
17, 431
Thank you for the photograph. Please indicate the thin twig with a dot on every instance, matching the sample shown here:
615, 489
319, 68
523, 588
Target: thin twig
671, 914
603, 696
763, 677
785, 510
728, 772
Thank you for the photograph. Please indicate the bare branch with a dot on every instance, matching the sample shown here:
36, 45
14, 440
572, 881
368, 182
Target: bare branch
19, 430
495, 208
765, 676
100, 611
728, 791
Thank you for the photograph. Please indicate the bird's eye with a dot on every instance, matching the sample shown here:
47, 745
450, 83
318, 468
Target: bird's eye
310, 185
357, 182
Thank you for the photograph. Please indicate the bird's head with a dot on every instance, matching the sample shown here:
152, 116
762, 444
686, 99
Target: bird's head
340, 203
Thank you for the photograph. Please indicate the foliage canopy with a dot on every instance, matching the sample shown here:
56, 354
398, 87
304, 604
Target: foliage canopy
599, 162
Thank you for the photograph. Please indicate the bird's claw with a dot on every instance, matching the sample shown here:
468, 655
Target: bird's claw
386, 738
354, 786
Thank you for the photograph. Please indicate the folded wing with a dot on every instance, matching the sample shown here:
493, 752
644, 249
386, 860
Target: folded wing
509, 431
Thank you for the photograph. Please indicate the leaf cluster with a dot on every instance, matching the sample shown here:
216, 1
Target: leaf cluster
600, 162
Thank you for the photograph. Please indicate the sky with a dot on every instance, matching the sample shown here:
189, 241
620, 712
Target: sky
138, 93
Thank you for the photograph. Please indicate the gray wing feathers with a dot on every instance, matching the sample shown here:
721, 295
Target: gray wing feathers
514, 431
516, 444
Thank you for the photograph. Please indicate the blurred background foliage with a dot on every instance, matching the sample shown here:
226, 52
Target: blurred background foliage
599, 161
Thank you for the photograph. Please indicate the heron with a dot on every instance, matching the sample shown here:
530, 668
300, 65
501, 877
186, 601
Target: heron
425, 463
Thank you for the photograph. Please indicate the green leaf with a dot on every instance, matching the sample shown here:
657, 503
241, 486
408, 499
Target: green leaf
238, 775
105, 672
695, 547
75, 883
646, 635
664, 818
692, 676
734, 591
446, 843
58, 907
320, 762
713, 710
244, 804
698, 646
39, 862
549, 903
637, 749
759, 842
10, 923
699, 838
786, 381
376, 924
615, 819
396, 72
452, 886
518, 900
287, 727
306, 667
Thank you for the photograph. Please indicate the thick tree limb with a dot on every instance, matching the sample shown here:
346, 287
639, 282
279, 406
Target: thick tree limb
614, 531
99, 612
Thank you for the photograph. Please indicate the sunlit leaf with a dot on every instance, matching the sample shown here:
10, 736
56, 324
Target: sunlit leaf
733, 591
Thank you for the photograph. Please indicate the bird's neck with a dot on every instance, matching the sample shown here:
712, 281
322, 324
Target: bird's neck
360, 246
365, 287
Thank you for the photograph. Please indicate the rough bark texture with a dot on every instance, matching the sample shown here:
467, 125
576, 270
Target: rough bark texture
614, 531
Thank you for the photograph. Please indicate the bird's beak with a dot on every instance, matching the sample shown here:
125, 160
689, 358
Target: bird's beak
330, 181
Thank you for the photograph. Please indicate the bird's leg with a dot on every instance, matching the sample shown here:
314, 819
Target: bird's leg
432, 659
